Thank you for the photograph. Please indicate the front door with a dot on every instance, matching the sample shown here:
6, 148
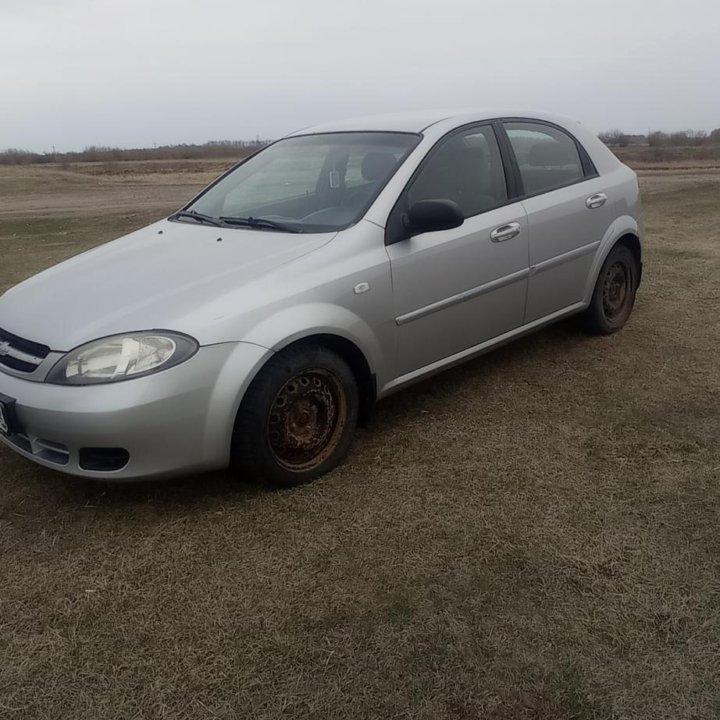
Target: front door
455, 289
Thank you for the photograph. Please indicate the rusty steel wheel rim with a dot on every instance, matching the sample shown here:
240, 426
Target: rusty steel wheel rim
616, 290
306, 420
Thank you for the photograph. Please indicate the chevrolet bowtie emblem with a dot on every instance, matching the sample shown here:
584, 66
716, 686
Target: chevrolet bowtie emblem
4, 348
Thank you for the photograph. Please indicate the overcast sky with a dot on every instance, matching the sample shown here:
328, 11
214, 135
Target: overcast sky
130, 73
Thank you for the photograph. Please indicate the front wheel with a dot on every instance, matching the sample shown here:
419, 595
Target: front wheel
298, 417
614, 295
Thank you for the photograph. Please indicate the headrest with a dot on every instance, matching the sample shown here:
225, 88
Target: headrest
377, 166
551, 153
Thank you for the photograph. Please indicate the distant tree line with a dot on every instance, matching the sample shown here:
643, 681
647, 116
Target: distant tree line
682, 138
685, 138
215, 149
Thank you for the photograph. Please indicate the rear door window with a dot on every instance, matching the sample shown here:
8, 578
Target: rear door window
547, 157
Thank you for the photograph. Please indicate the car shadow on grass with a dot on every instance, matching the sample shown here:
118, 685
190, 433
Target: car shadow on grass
555, 341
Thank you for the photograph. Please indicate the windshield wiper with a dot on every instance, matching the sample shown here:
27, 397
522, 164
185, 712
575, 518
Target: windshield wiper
260, 223
199, 217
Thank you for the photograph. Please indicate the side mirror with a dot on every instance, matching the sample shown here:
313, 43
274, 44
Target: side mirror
433, 215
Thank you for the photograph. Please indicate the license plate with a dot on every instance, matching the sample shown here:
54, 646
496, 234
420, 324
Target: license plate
8, 425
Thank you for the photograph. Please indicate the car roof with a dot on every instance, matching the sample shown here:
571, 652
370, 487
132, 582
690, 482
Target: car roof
417, 122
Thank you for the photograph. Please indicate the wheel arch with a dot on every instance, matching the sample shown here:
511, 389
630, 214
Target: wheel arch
624, 230
354, 357
632, 242
337, 328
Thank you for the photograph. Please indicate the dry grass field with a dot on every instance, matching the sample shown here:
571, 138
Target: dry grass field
533, 535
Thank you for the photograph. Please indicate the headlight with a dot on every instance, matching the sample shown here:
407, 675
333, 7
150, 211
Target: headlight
122, 357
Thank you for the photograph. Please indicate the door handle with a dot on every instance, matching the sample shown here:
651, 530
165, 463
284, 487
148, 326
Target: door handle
505, 232
596, 201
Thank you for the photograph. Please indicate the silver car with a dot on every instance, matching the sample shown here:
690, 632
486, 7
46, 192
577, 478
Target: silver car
259, 324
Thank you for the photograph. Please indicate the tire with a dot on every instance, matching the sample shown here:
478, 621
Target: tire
614, 294
297, 419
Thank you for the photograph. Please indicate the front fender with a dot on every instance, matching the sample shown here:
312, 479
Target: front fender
301, 321
623, 225
242, 363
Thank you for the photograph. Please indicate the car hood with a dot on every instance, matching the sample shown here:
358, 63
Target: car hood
154, 278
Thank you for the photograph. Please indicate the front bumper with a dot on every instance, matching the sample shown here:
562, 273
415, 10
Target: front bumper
173, 422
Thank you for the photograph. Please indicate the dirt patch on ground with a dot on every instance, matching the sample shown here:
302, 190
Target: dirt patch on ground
96, 188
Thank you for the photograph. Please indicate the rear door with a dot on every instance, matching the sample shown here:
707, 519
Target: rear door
454, 289
568, 213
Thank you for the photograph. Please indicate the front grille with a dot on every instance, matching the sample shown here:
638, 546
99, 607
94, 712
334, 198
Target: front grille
46, 449
20, 354
15, 364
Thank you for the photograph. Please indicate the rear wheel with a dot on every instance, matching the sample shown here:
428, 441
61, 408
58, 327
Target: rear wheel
614, 295
298, 417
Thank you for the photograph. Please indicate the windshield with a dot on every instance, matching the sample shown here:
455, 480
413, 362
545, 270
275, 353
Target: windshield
310, 183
